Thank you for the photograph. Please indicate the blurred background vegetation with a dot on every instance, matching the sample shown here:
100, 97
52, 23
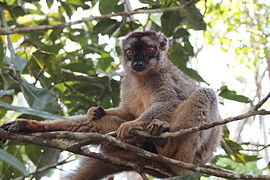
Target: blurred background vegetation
49, 74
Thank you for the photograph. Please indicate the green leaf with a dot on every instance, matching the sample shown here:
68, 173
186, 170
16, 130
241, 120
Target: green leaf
126, 28
19, 63
31, 111
178, 55
193, 74
106, 7
106, 26
192, 17
49, 3
181, 32
150, 2
155, 26
7, 97
49, 62
10, 2
226, 132
188, 47
54, 49
82, 67
231, 95
39, 98
75, 2
233, 145
250, 158
33, 152
104, 63
169, 21
8, 158
67, 9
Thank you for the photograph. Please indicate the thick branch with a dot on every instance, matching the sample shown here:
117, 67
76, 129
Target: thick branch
76, 148
93, 137
63, 25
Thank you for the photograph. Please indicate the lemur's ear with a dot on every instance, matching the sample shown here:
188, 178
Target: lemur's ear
163, 41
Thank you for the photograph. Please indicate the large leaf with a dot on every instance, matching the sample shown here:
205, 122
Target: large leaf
192, 17
8, 158
54, 49
169, 21
233, 150
106, 7
19, 63
104, 62
39, 98
83, 67
193, 74
180, 33
49, 62
106, 26
178, 55
33, 152
232, 95
31, 111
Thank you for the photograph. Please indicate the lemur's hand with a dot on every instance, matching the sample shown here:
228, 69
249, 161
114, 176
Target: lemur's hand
95, 113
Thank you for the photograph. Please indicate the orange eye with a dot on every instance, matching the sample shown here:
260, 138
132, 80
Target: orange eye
129, 52
150, 50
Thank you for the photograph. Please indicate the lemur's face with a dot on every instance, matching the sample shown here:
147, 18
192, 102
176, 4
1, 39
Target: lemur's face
142, 51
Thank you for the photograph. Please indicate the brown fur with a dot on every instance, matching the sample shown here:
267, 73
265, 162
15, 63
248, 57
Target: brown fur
157, 99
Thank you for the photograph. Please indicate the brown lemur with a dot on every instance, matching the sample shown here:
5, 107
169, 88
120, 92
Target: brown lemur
156, 97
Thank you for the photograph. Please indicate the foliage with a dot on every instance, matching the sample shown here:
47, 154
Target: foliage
63, 72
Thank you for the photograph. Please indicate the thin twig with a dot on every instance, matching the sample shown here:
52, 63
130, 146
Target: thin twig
9, 42
203, 126
91, 18
257, 106
45, 168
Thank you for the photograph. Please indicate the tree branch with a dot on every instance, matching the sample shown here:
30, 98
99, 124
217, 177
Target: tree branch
49, 141
91, 18
257, 106
252, 112
77, 148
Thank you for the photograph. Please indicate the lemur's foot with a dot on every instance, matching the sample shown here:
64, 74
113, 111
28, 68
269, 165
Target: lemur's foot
95, 113
21, 125
156, 127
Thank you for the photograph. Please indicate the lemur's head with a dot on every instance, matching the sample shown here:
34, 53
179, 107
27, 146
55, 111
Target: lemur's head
143, 51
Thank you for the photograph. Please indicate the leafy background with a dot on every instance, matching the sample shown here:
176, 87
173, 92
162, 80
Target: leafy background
51, 74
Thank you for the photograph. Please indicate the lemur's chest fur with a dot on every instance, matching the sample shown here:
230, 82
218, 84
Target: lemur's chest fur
138, 98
